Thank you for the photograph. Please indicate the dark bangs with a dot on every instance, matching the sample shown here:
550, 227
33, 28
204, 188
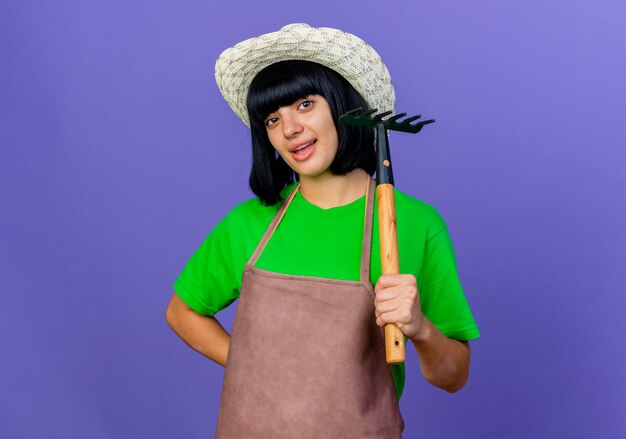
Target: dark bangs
281, 84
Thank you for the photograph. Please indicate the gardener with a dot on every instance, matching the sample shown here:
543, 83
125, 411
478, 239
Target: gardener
307, 358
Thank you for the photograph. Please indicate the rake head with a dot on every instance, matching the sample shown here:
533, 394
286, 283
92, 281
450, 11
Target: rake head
369, 118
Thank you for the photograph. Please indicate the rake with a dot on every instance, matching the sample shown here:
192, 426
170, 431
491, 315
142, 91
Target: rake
394, 338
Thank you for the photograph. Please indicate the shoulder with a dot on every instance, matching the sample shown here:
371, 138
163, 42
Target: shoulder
246, 222
253, 210
418, 213
250, 209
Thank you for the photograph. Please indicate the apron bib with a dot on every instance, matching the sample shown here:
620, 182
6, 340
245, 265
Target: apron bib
306, 358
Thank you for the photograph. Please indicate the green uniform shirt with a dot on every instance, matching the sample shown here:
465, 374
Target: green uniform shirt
311, 241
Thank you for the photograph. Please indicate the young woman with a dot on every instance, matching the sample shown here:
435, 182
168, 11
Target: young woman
306, 357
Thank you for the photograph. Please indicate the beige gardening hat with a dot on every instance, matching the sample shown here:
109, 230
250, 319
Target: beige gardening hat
345, 53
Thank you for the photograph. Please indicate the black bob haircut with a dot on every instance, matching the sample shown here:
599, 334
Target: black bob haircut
283, 83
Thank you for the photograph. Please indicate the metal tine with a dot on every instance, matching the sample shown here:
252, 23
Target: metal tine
405, 125
380, 116
359, 117
408, 127
393, 119
367, 114
352, 113
411, 119
368, 118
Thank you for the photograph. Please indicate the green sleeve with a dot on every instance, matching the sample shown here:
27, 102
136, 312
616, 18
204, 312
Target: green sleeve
441, 296
209, 281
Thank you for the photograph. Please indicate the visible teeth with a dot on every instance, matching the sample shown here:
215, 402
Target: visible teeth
302, 146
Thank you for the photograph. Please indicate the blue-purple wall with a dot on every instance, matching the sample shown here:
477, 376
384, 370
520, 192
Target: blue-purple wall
118, 155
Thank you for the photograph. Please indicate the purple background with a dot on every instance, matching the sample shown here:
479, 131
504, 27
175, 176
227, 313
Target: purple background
113, 140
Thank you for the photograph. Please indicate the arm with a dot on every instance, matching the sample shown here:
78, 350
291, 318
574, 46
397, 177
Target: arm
444, 361
201, 333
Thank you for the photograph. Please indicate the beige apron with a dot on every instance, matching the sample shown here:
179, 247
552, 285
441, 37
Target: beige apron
306, 358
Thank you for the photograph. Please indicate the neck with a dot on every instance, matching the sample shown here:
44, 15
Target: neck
327, 190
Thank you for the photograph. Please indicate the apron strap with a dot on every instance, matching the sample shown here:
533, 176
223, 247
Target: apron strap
270, 230
367, 231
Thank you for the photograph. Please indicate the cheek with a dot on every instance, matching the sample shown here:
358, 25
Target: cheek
277, 148
333, 136
272, 139
334, 139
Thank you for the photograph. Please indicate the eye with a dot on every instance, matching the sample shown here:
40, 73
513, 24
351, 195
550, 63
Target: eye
305, 104
270, 121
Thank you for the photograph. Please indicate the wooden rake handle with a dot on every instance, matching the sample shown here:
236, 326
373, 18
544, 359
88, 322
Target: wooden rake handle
394, 338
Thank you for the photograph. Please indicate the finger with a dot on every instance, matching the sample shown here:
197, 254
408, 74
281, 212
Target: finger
387, 319
405, 292
387, 294
387, 306
397, 310
397, 317
390, 280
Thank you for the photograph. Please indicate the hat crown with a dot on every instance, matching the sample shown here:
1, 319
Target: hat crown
346, 54
295, 26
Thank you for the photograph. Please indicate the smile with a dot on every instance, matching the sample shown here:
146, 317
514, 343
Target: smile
302, 145
304, 150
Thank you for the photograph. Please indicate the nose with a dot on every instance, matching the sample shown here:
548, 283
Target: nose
291, 126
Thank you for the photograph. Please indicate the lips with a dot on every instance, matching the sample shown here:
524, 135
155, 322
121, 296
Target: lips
303, 150
299, 146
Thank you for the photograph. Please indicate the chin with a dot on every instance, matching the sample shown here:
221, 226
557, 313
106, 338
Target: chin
312, 173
